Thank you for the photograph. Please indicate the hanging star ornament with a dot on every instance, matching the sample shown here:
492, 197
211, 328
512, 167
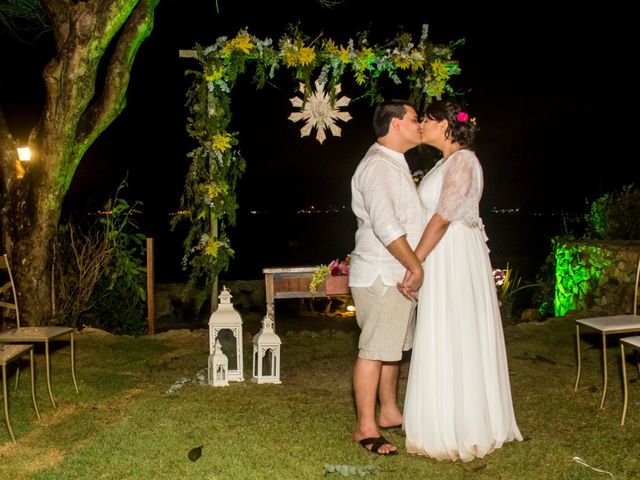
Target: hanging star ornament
319, 113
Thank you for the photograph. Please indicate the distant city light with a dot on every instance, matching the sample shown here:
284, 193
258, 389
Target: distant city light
507, 211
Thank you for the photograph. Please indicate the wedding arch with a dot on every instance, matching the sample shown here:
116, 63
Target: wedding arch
209, 199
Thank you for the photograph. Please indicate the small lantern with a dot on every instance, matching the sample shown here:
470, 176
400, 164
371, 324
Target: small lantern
225, 326
218, 367
266, 354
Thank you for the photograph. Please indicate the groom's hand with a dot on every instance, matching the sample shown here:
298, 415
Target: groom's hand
411, 284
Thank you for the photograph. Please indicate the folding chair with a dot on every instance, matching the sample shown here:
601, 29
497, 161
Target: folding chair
634, 344
609, 325
34, 334
9, 354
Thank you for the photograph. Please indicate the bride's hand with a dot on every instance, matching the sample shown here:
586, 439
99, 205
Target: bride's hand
405, 286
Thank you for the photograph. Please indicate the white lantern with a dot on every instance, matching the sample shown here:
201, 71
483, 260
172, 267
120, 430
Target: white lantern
218, 367
225, 326
266, 354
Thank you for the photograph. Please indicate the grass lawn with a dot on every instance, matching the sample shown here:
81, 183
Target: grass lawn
123, 423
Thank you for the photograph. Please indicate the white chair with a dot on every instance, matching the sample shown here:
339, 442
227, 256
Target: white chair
634, 344
33, 334
609, 325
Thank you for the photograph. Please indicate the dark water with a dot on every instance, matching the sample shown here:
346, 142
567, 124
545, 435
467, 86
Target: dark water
289, 239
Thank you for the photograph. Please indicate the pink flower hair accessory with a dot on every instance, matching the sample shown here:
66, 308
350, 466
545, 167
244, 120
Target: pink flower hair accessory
462, 116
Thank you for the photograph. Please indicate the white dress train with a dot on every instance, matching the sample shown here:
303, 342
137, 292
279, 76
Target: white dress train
458, 400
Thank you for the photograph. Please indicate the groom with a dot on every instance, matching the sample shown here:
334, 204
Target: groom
390, 221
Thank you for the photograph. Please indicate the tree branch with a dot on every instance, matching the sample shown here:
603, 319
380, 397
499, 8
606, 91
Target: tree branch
113, 97
73, 116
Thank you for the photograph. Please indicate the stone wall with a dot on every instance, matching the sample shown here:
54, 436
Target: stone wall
596, 277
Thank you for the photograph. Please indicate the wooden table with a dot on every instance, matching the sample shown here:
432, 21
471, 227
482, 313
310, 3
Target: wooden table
294, 282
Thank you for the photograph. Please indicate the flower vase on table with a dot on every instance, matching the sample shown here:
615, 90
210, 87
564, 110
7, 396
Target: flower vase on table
333, 277
337, 285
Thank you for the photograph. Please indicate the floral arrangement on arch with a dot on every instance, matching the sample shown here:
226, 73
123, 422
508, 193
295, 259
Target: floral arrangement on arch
335, 268
209, 199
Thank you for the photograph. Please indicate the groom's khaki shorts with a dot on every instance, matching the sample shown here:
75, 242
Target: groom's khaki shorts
387, 321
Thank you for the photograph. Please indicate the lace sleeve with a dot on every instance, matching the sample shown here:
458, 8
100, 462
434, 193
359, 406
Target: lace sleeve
455, 187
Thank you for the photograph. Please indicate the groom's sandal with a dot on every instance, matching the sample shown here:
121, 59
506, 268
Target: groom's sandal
391, 427
376, 443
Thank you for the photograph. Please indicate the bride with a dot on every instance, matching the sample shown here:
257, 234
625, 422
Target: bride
458, 401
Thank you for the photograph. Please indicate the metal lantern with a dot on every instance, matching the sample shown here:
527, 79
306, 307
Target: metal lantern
225, 326
266, 354
218, 367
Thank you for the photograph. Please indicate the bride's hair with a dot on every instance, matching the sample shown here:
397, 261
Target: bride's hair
462, 127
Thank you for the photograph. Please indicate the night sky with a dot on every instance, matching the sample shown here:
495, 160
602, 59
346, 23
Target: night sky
551, 91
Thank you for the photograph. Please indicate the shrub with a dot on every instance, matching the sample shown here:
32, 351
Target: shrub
98, 271
615, 216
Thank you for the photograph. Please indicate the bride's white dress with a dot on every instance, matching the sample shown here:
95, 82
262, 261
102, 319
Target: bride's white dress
458, 400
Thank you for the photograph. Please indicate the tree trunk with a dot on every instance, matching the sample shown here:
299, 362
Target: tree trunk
73, 117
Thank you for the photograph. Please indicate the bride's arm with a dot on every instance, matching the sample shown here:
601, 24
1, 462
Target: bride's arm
433, 233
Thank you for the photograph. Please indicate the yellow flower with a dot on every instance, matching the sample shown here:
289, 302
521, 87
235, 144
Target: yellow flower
417, 60
361, 79
331, 47
290, 56
242, 42
402, 62
212, 248
306, 55
215, 75
437, 78
365, 55
344, 55
439, 71
403, 39
221, 141
216, 190
363, 59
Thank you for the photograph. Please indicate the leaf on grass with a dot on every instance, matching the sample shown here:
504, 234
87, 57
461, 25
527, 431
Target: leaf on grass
349, 470
195, 453
477, 468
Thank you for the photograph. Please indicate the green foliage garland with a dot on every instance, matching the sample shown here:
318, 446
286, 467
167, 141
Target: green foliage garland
209, 200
